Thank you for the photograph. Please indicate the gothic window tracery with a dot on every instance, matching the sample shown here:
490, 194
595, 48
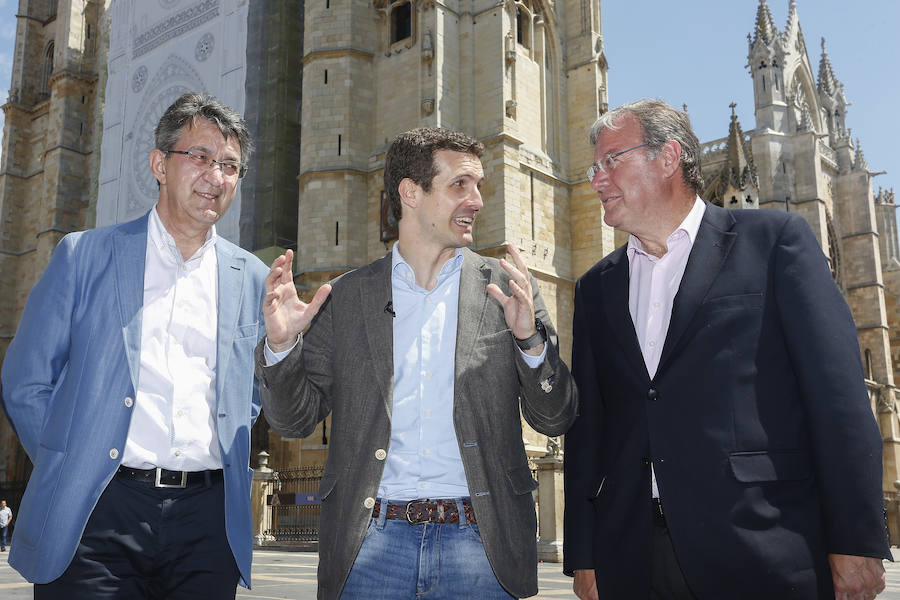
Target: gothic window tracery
523, 29
525, 13
46, 71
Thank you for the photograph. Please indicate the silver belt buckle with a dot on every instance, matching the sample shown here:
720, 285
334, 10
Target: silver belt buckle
183, 483
409, 518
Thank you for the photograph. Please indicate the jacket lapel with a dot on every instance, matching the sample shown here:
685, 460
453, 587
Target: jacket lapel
473, 279
130, 251
615, 281
378, 324
711, 247
230, 281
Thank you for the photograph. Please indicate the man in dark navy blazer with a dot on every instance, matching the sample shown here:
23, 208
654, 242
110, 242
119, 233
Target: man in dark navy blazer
726, 447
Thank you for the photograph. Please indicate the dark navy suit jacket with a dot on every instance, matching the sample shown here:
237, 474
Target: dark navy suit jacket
758, 423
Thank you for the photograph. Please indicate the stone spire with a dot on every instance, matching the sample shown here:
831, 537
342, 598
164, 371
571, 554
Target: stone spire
737, 162
737, 183
765, 29
859, 160
793, 21
828, 83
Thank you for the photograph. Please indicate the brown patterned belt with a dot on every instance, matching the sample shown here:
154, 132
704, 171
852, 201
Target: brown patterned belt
416, 512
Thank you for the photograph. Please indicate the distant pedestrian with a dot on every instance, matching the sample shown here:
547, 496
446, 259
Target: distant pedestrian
5, 522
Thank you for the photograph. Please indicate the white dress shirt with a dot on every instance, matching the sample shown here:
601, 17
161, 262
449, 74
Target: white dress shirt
652, 286
173, 423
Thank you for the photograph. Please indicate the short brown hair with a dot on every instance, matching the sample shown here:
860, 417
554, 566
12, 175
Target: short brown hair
411, 155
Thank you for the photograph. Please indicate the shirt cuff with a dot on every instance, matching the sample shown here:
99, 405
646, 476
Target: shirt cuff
532, 361
273, 358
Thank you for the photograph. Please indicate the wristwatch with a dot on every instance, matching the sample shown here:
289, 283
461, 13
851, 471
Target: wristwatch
535, 339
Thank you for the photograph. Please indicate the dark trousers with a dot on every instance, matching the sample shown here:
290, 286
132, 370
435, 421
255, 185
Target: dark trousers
666, 579
143, 542
4, 531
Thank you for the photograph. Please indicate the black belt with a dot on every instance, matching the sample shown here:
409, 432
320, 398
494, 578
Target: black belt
164, 478
659, 517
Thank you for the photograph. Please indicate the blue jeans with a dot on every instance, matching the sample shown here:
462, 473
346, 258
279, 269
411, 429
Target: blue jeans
3, 531
399, 561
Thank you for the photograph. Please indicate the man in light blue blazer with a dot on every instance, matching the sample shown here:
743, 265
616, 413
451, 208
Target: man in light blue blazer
130, 384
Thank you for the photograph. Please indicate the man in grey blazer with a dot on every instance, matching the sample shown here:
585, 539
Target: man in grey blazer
427, 487
130, 385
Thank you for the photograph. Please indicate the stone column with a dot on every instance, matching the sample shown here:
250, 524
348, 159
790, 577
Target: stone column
550, 508
263, 485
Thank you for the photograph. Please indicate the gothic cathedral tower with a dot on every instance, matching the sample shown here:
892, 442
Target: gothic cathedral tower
49, 163
800, 158
525, 77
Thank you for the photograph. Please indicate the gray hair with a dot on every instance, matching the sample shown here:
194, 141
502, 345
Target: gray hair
659, 123
191, 106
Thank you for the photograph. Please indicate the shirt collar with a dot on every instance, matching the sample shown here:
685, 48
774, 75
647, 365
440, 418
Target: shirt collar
159, 236
400, 268
690, 226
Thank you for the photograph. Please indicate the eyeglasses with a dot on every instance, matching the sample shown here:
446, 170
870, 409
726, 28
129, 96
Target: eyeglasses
608, 163
203, 160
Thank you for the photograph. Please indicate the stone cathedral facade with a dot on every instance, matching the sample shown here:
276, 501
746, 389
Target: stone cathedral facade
326, 84
800, 158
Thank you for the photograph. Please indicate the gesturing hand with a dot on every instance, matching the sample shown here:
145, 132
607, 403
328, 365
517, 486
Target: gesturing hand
519, 307
285, 314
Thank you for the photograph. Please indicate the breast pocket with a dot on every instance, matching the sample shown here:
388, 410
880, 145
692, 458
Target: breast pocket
250, 330
499, 338
761, 467
752, 301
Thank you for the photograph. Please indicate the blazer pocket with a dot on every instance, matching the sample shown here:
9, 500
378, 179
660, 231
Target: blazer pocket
495, 339
735, 302
780, 465
521, 481
39, 498
246, 331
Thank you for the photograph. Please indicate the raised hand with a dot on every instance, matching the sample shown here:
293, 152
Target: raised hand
285, 314
518, 308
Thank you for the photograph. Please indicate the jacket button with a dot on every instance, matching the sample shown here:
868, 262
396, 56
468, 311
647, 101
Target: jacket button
369, 502
652, 395
114, 454
645, 461
129, 402
380, 454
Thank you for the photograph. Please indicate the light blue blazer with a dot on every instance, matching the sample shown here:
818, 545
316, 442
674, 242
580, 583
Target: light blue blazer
74, 362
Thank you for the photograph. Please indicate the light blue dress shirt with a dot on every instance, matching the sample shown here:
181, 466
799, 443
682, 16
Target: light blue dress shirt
423, 459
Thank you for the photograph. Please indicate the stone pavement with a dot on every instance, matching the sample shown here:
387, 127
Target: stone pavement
279, 575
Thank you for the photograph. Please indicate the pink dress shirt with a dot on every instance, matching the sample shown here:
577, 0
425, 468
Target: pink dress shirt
653, 283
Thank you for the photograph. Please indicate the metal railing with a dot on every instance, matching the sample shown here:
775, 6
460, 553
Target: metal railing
295, 505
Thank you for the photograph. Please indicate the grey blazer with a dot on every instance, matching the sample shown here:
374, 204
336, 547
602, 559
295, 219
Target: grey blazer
346, 368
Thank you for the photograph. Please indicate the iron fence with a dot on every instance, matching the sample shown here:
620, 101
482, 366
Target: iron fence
295, 505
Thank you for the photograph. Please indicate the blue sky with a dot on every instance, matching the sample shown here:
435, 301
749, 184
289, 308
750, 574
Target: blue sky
8, 10
694, 52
